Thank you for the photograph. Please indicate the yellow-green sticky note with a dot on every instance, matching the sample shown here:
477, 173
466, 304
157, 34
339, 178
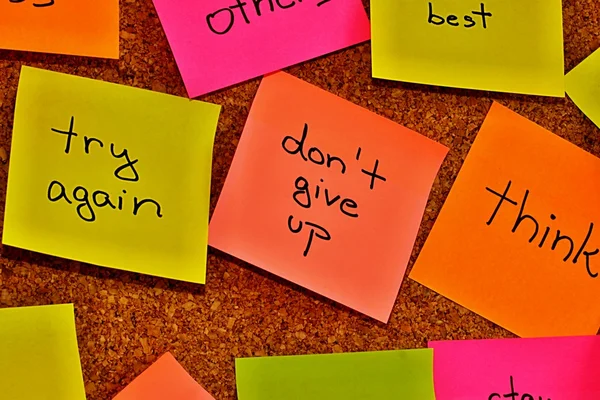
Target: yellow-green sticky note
378, 375
583, 86
39, 358
110, 175
511, 46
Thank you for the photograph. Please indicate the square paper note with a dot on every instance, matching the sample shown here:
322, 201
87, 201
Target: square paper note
219, 43
110, 175
583, 86
517, 240
519, 369
74, 27
326, 194
166, 379
379, 375
501, 45
39, 358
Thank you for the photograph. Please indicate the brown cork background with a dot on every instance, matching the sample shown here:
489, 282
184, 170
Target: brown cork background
125, 320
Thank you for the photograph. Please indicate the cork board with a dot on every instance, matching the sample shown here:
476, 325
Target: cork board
125, 321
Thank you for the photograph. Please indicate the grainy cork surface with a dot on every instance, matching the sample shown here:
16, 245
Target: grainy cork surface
125, 320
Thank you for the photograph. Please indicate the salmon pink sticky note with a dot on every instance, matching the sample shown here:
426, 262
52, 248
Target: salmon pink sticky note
165, 379
517, 240
326, 194
219, 43
499, 369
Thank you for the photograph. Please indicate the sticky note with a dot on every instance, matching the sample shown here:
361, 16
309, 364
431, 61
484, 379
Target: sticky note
165, 379
326, 194
583, 86
110, 175
74, 27
511, 46
220, 43
547, 368
517, 239
39, 357
383, 375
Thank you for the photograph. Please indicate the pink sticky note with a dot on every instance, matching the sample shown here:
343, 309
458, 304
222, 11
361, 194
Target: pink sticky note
165, 379
305, 155
564, 368
219, 43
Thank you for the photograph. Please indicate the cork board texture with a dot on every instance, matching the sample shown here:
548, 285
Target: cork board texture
125, 321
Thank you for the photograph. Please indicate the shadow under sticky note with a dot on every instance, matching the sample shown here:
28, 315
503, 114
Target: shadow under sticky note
500, 45
220, 43
546, 368
74, 27
382, 375
326, 194
583, 86
110, 175
166, 379
516, 240
39, 357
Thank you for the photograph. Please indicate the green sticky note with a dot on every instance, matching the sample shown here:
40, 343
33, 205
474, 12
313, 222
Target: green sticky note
39, 358
383, 375
511, 46
583, 86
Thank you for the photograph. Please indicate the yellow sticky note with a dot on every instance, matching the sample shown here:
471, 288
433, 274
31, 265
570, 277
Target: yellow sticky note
583, 86
110, 175
500, 45
39, 358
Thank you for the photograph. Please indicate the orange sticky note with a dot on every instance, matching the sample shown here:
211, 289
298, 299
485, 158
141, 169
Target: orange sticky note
74, 27
517, 239
165, 379
326, 194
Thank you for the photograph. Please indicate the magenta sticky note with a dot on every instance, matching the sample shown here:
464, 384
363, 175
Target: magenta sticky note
218, 43
564, 368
